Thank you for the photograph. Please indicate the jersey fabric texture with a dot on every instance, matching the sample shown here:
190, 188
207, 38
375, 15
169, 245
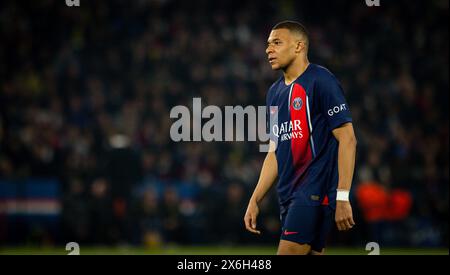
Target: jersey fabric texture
301, 117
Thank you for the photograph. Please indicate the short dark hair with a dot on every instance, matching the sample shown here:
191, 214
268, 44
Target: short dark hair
295, 27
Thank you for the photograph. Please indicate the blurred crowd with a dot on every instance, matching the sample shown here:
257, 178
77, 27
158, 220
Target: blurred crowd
86, 92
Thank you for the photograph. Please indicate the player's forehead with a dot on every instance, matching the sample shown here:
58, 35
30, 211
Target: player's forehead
279, 34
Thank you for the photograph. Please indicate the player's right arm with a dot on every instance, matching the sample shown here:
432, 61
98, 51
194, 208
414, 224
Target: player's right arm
269, 172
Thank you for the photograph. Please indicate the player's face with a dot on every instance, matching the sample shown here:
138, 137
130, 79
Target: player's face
280, 49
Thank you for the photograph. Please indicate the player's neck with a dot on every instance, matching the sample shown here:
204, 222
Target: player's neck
296, 69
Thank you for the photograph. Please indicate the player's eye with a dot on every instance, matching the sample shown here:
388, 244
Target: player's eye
274, 43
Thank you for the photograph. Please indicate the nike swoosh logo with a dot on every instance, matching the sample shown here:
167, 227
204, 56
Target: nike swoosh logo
289, 232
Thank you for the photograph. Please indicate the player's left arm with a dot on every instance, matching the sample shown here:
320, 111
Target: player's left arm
345, 135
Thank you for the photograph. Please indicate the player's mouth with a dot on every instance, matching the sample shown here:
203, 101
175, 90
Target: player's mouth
272, 59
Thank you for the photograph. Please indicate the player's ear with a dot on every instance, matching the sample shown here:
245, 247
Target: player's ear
300, 45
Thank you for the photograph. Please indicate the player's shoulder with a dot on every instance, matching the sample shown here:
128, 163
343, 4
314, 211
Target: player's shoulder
321, 73
274, 85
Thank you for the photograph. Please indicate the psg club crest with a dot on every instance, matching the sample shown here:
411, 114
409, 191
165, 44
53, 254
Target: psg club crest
297, 103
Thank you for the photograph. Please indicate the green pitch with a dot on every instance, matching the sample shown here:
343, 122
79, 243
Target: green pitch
207, 250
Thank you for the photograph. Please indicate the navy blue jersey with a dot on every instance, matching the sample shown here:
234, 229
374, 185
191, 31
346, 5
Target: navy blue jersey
303, 116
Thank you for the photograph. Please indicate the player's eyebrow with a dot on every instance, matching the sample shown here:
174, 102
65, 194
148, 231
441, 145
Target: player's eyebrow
273, 40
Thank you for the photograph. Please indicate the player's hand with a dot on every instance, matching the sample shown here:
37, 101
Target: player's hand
250, 217
344, 216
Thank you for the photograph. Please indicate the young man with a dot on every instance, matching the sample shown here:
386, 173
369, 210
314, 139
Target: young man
313, 147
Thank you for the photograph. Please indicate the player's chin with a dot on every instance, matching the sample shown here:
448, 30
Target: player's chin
275, 66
